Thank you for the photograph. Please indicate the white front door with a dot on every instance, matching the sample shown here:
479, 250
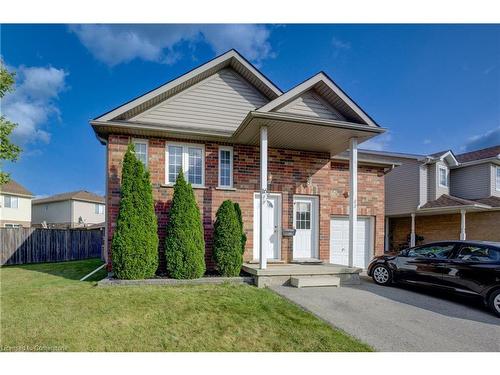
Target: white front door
339, 242
272, 230
305, 222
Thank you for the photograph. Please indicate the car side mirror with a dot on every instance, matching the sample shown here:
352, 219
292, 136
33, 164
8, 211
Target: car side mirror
403, 253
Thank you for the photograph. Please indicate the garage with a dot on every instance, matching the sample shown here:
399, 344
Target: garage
339, 241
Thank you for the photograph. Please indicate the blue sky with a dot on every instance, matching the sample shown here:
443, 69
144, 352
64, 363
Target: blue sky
434, 87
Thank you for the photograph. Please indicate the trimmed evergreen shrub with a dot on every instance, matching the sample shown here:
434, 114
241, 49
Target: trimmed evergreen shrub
227, 240
240, 220
184, 242
135, 240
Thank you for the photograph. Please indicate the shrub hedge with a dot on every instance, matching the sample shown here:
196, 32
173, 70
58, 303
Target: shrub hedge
135, 240
184, 242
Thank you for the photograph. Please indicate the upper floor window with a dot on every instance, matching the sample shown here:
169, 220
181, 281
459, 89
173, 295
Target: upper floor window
141, 150
498, 178
11, 201
190, 159
99, 209
444, 177
226, 166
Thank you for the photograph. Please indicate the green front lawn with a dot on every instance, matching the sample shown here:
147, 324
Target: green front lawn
45, 307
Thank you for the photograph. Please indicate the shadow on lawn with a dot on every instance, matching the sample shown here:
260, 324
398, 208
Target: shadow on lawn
71, 270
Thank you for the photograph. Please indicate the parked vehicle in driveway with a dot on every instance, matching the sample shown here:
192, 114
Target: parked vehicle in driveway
466, 267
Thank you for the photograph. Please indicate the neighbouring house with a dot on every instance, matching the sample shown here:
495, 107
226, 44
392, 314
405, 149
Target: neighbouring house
237, 136
15, 205
77, 209
442, 196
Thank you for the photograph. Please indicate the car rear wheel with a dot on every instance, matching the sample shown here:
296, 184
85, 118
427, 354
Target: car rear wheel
381, 275
494, 302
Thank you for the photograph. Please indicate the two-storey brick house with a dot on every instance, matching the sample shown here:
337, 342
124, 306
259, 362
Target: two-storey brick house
237, 136
442, 196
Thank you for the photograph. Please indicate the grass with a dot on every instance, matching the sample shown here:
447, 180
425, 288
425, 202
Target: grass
45, 308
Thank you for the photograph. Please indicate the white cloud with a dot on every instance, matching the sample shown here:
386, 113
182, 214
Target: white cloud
340, 44
488, 139
379, 143
32, 103
427, 141
116, 44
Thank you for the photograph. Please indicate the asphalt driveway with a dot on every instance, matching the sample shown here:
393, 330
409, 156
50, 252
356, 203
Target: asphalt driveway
402, 318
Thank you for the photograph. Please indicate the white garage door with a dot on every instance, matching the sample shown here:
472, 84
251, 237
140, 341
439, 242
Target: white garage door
339, 242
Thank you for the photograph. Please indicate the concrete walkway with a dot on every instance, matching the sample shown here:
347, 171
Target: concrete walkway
400, 318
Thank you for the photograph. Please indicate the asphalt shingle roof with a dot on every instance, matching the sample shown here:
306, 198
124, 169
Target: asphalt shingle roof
14, 188
484, 153
81, 195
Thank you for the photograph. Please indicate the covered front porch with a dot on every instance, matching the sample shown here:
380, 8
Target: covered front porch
316, 116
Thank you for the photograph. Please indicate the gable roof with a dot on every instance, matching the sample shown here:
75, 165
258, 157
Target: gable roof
323, 86
485, 153
80, 195
229, 59
15, 188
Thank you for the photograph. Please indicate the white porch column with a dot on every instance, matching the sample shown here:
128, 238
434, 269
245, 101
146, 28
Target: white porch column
462, 225
412, 233
353, 197
263, 192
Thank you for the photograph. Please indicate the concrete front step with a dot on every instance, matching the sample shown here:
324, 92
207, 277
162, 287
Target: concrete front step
311, 281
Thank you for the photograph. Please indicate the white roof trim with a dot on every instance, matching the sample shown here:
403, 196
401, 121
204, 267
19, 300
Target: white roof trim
185, 77
307, 85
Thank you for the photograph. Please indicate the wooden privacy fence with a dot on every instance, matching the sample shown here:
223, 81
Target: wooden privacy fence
36, 245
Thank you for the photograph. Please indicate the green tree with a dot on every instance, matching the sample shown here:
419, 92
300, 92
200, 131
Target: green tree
135, 241
227, 240
8, 150
243, 234
184, 242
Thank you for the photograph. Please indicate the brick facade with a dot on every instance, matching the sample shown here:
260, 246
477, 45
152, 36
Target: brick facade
293, 172
483, 226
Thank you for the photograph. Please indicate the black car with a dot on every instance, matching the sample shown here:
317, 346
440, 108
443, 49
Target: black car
470, 267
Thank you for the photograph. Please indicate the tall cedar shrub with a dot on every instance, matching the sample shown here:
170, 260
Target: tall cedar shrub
227, 240
240, 220
135, 240
184, 242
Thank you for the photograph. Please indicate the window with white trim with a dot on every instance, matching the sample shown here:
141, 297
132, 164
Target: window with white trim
226, 166
99, 209
141, 150
444, 177
11, 202
189, 158
498, 179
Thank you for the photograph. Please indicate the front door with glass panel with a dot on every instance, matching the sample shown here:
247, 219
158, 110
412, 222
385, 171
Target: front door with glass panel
271, 230
305, 222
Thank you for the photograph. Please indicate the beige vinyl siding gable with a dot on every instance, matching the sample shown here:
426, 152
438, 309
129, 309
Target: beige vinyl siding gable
472, 182
218, 103
310, 104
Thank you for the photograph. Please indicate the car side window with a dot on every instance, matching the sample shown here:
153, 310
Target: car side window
479, 254
432, 251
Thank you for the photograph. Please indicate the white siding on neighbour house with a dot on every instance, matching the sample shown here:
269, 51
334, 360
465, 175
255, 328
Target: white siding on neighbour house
21, 213
86, 210
424, 170
434, 190
472, 182
493, 177
310, 104
52, 212
218, 103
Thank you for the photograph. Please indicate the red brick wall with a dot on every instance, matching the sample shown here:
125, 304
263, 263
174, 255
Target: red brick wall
483, 226
293, 172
